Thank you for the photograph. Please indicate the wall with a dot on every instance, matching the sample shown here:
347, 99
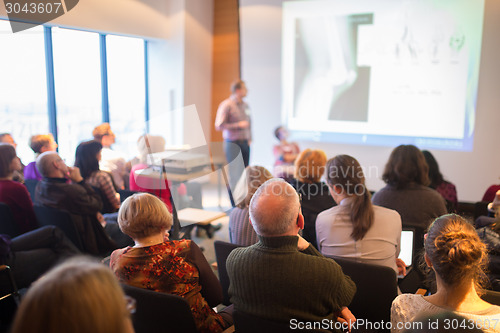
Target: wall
198, 69
472, 172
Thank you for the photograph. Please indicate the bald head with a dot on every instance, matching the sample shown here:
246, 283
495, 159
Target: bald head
46, 164
274, 209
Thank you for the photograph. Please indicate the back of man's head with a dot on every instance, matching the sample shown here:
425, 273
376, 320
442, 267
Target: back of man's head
274, 209
45, 163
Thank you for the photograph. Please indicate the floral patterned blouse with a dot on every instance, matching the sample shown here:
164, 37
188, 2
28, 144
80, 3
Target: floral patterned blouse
173, 267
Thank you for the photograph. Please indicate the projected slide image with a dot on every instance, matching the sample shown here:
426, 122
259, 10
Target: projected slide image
378, 72
326, 67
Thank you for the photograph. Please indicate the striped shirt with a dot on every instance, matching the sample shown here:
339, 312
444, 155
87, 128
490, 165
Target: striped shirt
241, 231
102, 180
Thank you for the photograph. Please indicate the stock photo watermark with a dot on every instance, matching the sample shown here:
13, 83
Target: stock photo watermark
25, 14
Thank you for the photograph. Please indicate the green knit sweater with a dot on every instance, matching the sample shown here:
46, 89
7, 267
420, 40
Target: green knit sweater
274, 280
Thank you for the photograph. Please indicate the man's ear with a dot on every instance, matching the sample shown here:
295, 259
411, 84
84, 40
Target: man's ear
300, 220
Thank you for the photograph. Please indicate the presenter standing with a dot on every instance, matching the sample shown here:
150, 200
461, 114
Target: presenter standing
233, 119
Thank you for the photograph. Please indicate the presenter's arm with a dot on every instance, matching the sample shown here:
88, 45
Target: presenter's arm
222, 119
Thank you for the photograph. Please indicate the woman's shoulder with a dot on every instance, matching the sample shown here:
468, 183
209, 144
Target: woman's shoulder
386, 213
329, 212
408, 301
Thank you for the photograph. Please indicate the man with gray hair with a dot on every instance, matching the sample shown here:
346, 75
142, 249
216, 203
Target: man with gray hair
75, 197
283, 278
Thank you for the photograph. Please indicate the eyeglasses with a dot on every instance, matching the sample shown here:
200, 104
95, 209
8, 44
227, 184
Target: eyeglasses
130, 304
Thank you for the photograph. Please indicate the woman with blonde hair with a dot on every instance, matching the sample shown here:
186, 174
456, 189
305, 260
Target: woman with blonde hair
241, 231
457, 257
159, 264
39, 144
315, 196
78, 296
356, 229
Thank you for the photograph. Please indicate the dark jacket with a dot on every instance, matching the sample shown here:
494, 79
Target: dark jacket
82, 203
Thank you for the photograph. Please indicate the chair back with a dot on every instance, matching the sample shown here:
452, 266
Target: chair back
31, 186
124, 194
222, 250
62, 219
7, 223
9, 298
376, 288
159, 312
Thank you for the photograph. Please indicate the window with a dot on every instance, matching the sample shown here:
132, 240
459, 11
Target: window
23, 105
77, 75
127, 94
77, 80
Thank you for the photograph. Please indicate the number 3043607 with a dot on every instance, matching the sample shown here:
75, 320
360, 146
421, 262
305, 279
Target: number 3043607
33, 7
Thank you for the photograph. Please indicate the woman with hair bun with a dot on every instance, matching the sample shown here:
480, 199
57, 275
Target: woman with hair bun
457, 257
356, 229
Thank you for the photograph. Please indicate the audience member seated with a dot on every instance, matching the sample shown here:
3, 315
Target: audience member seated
241, 231
35, 252
172, 267
12, 193
315, 196
447, 190
111, 161
490, 235
78, 296
356, 229
285, 154
284, 277
457, 258
76, 197
146, 145
407, 176
18, 174
39, 144
87, 157
489, 195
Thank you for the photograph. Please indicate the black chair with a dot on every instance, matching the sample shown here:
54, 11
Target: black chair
222, 250
159, 312
376, 289
9, 298
61, 219
31, 186
124, 194
7, 224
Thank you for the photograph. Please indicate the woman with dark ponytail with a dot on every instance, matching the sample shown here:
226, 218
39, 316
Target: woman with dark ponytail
356, 229
457, 257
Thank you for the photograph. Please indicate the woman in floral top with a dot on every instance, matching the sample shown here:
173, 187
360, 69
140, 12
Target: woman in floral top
173, 267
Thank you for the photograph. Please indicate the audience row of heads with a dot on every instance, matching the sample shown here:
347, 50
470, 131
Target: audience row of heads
41, 143
452, 247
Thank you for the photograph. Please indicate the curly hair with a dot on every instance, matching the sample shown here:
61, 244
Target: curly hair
455, 250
